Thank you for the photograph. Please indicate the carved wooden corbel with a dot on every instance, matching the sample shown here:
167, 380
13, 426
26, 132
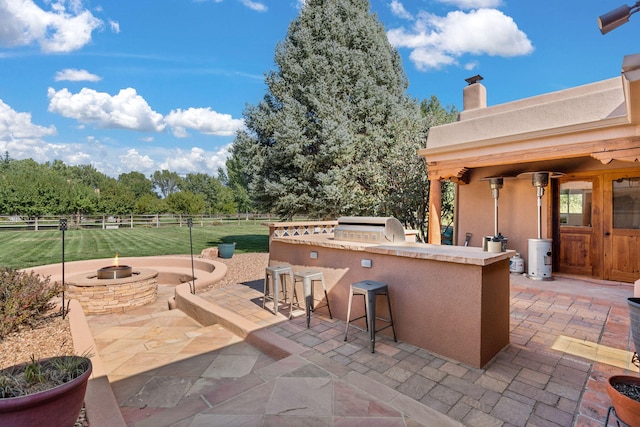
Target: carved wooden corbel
459, 175
624, 155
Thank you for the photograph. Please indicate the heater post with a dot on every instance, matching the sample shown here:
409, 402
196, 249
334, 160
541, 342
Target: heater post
540, 193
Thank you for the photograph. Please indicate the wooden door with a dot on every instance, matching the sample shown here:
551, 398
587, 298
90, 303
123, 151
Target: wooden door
621, 219
579, 225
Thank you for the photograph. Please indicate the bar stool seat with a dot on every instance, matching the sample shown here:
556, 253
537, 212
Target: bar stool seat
370, 289
278, 273
309, 278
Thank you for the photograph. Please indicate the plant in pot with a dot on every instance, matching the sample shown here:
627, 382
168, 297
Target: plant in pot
624, 390
48, 391
44, 392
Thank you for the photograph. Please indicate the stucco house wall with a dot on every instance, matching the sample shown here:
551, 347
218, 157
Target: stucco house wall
590, 128
517, 203
517, 212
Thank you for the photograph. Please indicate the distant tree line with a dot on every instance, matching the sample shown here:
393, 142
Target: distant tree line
29, 189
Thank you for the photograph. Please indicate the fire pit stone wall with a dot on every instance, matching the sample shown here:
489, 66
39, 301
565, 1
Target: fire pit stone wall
104, 296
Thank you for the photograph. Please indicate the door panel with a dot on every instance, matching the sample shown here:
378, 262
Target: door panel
579, 219
625, 259
622, 226
575, 252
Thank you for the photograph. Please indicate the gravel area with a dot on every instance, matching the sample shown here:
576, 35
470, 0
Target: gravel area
243, 268
51, 338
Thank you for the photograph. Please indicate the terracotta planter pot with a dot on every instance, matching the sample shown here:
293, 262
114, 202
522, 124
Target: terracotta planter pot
57, 407
627, 409
634, 317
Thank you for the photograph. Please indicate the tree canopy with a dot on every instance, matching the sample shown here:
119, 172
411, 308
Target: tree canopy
336, 133
315, 144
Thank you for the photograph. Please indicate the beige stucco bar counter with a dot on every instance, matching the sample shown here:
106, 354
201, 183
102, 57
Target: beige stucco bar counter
450, 300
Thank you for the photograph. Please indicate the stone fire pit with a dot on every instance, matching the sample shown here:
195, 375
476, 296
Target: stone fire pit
115, 293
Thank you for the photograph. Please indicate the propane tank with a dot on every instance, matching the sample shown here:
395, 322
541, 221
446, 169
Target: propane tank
516, 264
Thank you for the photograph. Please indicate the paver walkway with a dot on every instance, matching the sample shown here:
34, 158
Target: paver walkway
567, 337
167, 370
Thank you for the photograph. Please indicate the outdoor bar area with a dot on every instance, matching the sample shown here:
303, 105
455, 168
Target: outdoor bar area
449, 300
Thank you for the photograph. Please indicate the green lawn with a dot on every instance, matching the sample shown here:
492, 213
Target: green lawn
21, 249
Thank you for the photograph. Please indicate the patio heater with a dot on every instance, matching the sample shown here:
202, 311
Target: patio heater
540, 255
495, 183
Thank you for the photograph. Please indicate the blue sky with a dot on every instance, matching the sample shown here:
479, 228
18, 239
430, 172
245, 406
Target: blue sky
145, 85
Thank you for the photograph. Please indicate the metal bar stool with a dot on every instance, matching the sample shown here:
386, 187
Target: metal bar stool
308, 278
277, 273
612, 413
370, 289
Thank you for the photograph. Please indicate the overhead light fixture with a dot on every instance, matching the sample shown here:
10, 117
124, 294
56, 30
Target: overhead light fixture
617, 17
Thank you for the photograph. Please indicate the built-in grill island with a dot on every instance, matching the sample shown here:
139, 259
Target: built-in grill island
450, 300
369, 229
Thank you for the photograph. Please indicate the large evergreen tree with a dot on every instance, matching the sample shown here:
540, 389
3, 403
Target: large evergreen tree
406, 172
317, 143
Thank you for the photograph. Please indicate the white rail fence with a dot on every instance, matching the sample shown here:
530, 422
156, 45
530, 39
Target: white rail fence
13, 222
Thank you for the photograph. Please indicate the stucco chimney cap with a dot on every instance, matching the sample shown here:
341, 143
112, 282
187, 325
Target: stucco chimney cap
474, 79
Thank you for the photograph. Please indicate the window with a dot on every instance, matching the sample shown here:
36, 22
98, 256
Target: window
575, 203
626, 203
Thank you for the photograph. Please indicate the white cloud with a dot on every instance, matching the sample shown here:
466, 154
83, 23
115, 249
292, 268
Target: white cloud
74, 75
78, 158
134, 161
115, 26
65, 28
430, 58
126, 110
254, 5
196, 160
439, 41
204, 120
398, 10
473, 4
42, 151
471, 65
15, 126
23, 139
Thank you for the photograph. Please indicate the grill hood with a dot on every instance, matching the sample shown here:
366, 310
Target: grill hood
369, 229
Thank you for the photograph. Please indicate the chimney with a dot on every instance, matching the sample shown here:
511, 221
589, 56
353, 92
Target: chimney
474, 95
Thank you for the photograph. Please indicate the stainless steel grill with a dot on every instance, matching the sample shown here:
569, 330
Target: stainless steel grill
369, 229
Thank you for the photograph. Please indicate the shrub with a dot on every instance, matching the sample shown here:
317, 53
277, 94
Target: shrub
25, 298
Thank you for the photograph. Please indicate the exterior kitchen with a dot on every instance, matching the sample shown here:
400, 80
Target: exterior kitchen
450, 300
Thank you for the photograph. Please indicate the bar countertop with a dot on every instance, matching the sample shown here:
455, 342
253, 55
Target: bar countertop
443, 253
